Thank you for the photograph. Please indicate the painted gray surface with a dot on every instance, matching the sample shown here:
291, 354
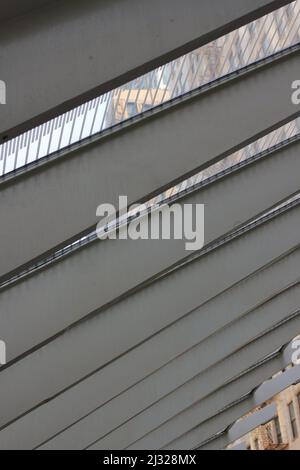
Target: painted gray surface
170, 403
197, 434
162, 349
243, 427
250, 423
100, 339
265, 392
59, 200
165, 420
13, 8
214, 397
83, 283
68, 51
278, 384
241, 392
210, 403
65, 360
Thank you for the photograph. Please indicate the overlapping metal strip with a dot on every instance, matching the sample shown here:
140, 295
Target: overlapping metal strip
180, 419
71, 362
142, 362
166, 355
65, 66
271, 142
262, 394
211, 63
77, 286
221, 418
206, 355
141, 160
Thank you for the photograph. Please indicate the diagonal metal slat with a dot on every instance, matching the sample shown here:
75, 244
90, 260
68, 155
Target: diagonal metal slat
198, 435
88, 54
140, 160
209, 353
103, 388
175, 295
82, 283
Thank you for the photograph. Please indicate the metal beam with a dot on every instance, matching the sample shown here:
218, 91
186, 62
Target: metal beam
264, 393
200, 434
175, 295
226, 395
62, 411
71, 283
251, 422
97, 45
31, 332
165, 418
59, 199
166, 403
